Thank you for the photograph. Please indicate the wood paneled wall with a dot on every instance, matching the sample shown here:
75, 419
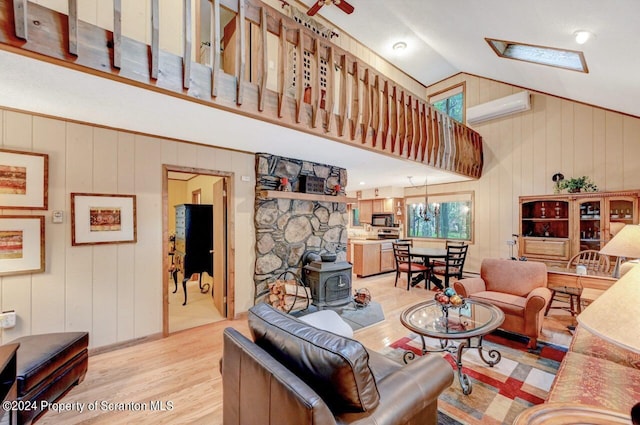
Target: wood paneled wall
112, 291
523, 151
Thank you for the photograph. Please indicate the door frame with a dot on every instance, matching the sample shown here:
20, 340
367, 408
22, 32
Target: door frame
230, 237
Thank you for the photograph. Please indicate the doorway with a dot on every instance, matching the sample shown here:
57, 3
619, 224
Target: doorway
201, 297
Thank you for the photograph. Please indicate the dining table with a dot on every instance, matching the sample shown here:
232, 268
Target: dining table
426, 254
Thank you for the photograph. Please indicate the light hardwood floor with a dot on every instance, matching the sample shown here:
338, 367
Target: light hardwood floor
183, 370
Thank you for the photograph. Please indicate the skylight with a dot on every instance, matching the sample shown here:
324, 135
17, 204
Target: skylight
559, 58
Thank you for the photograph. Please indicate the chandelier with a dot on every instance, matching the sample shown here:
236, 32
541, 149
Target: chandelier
427, 211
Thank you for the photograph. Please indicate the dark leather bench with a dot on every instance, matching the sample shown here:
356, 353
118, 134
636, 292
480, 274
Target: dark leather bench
48, 365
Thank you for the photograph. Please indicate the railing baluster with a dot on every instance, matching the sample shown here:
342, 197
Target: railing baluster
424, 131
375, 109
186, 51
215, 46
366, 106
402, 123
299, 78
343, 96
73, 27
155, 38
242, 52
330, 89
282, 63
394, 118
385, 114
416, 129
265, 59
409, 119
117, 33
20, 18
316, 95
355, 101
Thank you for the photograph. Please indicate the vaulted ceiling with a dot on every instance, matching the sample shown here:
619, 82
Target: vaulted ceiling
444, 38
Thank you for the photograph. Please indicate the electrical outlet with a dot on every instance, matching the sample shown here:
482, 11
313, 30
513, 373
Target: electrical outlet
7, 319
511, 242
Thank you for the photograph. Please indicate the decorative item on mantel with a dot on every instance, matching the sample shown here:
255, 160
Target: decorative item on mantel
577, 184
336, 190
285, 186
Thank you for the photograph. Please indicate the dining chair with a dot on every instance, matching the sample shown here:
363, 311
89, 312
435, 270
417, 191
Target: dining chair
454, 263
447, 244
405, 264
593, 261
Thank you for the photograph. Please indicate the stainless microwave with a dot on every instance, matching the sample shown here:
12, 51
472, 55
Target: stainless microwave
382, 219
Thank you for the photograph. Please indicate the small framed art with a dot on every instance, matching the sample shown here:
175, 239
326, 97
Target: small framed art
21, 244
24, 177
102, 218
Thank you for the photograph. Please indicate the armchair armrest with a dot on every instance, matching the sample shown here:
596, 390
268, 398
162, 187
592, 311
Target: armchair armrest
408, 395
469, 285
538, 299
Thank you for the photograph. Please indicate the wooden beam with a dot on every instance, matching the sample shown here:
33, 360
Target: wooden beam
73, 27
215, 46
20, 18
155, 38
242, 52
265, 60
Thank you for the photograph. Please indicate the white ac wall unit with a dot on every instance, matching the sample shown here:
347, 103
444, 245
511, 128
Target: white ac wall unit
499, 108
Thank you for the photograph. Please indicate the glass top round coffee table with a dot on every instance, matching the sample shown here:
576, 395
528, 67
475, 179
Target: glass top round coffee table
473, 320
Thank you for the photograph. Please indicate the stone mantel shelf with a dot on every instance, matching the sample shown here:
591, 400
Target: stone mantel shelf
276, 194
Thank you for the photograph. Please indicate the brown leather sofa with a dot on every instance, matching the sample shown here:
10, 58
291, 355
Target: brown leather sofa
297, 374
518, 288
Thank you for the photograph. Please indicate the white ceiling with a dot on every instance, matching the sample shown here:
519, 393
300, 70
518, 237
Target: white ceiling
443, 38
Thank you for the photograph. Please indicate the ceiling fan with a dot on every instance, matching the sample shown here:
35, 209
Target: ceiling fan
342, 5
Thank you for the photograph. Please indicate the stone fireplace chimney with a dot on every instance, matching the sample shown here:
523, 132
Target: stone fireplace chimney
287, 228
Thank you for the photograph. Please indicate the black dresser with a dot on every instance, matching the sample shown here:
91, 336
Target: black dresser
194, 243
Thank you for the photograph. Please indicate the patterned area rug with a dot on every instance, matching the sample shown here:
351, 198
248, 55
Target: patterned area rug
521, 379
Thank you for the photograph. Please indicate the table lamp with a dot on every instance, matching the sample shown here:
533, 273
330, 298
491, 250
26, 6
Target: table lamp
613, 316
625, 243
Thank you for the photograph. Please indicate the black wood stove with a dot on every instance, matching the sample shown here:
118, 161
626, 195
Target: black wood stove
329, 281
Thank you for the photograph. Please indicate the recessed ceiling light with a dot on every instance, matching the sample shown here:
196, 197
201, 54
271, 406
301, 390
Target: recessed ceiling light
400, 45
582, 36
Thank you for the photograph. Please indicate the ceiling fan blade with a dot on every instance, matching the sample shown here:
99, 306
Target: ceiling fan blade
344, 6
314, 9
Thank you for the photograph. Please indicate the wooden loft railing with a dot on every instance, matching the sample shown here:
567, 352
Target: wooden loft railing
350, 102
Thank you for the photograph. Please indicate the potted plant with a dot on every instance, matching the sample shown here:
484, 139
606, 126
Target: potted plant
578, 184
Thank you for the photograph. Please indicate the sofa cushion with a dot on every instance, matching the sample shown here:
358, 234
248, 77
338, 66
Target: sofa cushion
584, 342
595, 382
513, 277
510, 304
337, 368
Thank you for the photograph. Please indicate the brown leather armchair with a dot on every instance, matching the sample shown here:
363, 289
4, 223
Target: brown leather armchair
297, 374
518, 288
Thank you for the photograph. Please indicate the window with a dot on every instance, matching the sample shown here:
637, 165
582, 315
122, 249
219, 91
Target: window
450, 217
559, 58
450, 102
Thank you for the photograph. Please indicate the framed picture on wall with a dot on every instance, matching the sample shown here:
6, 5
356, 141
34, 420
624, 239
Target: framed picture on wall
21, 244
102, 219
24, 177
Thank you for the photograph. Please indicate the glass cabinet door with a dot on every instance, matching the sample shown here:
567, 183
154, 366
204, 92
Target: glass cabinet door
620, 211
590, 229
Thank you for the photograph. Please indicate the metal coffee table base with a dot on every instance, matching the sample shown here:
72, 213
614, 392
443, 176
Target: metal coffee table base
492, 356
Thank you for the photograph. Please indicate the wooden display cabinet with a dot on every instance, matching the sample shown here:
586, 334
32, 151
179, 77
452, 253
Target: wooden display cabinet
545, 228
553, 228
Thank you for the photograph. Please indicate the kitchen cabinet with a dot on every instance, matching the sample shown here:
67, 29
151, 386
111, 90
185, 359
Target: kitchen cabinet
366, 210
372, 257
